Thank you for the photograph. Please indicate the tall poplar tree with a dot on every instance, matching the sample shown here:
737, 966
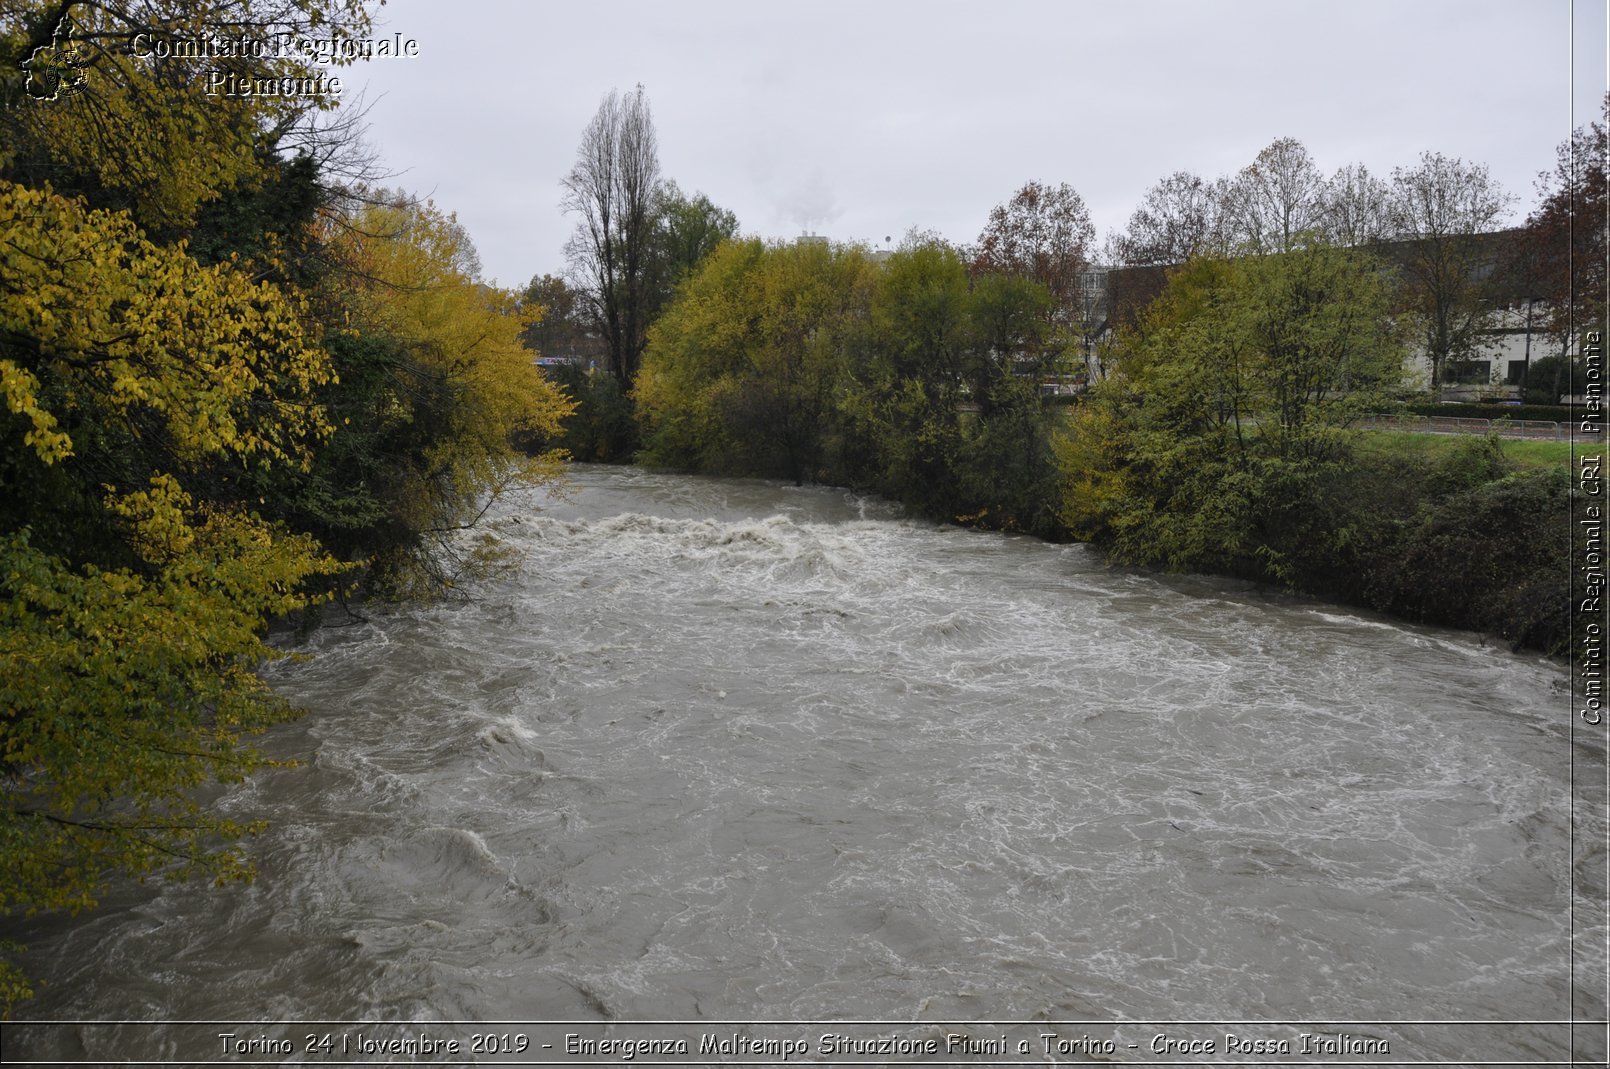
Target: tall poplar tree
613, 187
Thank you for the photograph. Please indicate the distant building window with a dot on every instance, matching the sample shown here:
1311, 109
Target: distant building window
1517, 369
1468, 372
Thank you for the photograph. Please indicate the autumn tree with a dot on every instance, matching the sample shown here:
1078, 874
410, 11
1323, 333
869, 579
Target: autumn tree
1276, 201
204, 364
131, 605
742, 369
145, 386
1441, 210
127, 343
1043, 233
1177, 219
139, 132
1565, 236
560, 330
612, 188
435, 385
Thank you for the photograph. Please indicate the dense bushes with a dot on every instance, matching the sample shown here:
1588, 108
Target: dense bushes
1198, 455
1494, 557
1222, 444
1547, 413
914, 380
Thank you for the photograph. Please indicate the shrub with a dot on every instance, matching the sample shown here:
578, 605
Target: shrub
1495, 557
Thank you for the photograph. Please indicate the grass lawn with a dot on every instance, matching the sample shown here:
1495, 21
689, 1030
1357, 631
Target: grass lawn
1525, 452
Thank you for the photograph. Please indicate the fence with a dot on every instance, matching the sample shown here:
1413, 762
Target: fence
1506, 428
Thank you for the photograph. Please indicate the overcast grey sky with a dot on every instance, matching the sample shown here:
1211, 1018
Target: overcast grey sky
861, 120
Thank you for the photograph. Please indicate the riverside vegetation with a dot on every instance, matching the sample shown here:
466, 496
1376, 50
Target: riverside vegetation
239, 381
1221, 433
1221, 442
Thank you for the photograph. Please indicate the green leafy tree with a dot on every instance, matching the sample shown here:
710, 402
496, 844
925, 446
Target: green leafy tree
1006, 469
742, 370
1228, 412
903, 406
944, 411
1010, 333
688, 230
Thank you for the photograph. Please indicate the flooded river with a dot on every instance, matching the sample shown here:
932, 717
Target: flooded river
747, 760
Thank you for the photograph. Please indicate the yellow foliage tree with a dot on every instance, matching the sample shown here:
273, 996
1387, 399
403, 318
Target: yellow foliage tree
127, 654
152, 132
410, 287
741, 370
102, 324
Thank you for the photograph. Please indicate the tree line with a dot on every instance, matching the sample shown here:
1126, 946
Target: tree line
242, 379
1218, 433
1432, 219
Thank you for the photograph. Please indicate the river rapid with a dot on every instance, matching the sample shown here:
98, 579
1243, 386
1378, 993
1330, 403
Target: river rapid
731, 751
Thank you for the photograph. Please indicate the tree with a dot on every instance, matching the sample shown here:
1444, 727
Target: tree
205, 361
943, 410
742, 369
140, 132
612, 187
1227, 412
903, 407
1356, 207
102, 328
1010, 334
1043, 233
561, 330
125, 689
1005, 470
1276, 202
436, 384
601, 428
139, 387
1440, 211
687, 230
1176, 220
1566, 235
